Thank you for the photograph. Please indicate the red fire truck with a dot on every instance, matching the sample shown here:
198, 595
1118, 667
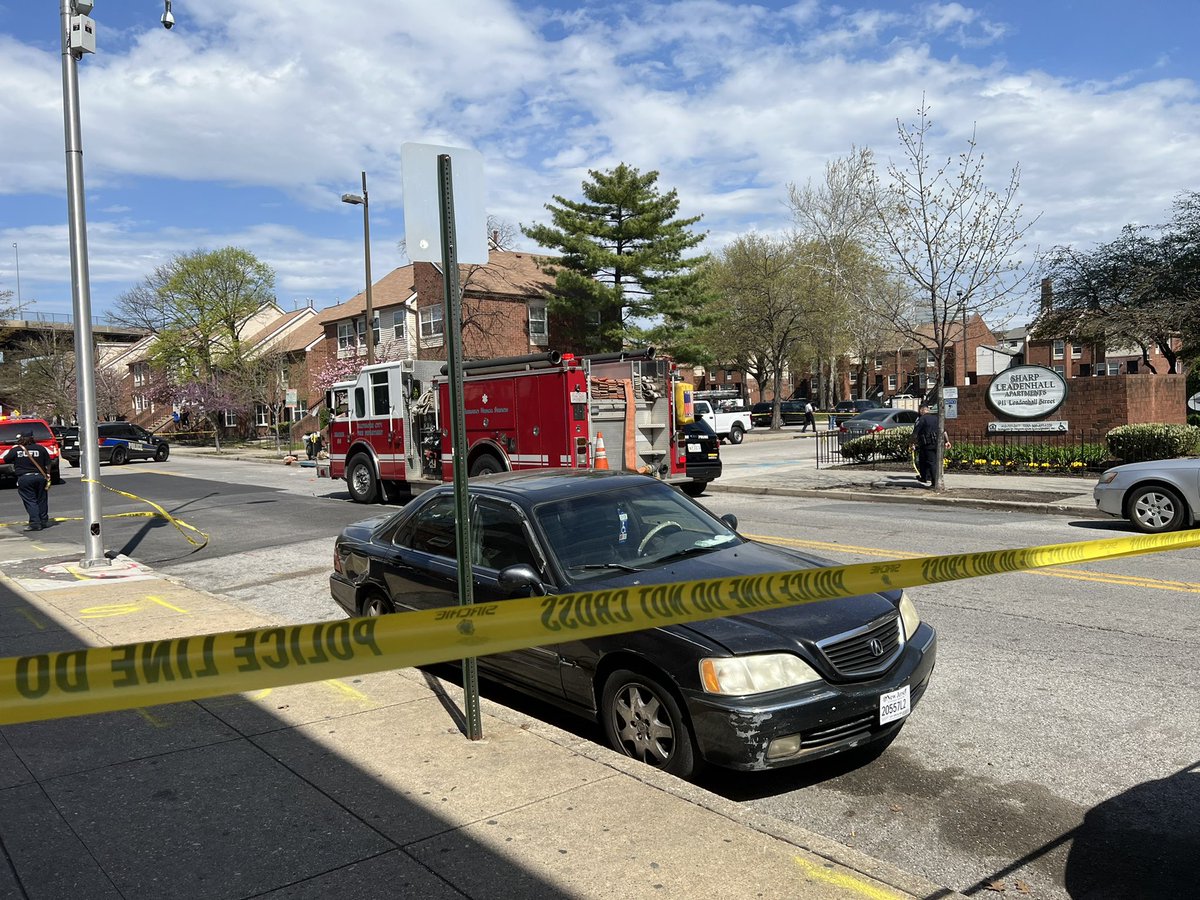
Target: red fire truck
391, 428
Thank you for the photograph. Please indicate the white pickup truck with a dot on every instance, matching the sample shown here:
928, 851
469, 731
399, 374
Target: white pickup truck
729, 425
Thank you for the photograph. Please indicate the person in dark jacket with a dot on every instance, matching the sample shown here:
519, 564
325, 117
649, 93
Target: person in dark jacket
31, 464
926, 436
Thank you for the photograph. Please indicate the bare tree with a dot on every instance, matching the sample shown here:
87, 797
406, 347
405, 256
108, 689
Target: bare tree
953, 238
41, 374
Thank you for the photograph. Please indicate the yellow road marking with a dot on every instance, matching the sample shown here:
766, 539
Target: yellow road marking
842, 880
161, 602
33, 620
1183, 587
153, 720
108, 611
346, 689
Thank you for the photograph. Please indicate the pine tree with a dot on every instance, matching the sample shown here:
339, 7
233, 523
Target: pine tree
621, 273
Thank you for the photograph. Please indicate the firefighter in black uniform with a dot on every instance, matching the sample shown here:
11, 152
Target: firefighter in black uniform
31, 464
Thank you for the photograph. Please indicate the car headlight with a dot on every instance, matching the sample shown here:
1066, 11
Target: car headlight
754, 674
908, 615
1109, 476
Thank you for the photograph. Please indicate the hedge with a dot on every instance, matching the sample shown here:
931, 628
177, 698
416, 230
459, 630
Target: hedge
892, 443
1137, 443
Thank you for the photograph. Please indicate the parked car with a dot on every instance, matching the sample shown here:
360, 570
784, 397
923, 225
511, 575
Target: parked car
703, 449
1161, 495
757, 690
11, 429
848, 409
122, 441
874, 420
791, 412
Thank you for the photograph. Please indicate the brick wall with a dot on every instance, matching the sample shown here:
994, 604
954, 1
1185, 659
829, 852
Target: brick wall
1092, 404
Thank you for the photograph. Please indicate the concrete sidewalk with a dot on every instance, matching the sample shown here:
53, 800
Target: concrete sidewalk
362, 787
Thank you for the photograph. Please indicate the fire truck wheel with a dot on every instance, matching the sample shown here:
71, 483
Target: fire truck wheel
360, 478
486, 465
693, 488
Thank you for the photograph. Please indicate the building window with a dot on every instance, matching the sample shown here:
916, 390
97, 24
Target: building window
399, 324
854, 376
1114, 368
891, 382
346, 338
432, 324
140, 403
360, 326
1076, 351
262, 415
878, 363
300, 410
1060, 370
141, 373
538, 332
229, 417
1060, 349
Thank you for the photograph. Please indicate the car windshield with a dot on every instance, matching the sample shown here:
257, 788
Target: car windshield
594, 535
14, 428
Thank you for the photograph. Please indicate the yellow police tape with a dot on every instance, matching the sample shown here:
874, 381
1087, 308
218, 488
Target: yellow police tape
98, 679
181, 526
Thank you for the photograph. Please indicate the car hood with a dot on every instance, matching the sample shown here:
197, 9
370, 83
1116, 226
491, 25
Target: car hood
781, 629
1184, 463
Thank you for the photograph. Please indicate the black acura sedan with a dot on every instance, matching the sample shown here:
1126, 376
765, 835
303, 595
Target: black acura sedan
752, 691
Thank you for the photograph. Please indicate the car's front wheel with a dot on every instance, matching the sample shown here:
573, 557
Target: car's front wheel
643, 720
1155, 509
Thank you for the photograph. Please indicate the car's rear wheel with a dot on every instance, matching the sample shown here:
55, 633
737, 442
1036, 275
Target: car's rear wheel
161, 454
643, 721
1155, 509
360, 478
376, 605
693, 488
735, 434
119, 456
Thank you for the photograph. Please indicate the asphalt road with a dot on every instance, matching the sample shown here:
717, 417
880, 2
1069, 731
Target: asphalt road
1051, 753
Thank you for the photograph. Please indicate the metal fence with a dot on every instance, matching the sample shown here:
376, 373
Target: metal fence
991, 450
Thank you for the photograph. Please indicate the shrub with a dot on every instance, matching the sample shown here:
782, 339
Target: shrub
1026, 457
893, 443
1136, 443
1194, 418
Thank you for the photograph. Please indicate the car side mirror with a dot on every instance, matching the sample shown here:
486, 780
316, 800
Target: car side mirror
521, 577
730, 519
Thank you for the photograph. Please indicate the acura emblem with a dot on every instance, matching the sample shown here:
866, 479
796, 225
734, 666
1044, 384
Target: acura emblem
876, 647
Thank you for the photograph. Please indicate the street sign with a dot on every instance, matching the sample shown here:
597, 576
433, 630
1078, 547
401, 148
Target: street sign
422, 212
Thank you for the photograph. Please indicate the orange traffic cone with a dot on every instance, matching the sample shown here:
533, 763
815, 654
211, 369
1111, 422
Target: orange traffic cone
601, 455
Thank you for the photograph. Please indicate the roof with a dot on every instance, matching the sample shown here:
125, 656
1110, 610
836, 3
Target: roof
393, 289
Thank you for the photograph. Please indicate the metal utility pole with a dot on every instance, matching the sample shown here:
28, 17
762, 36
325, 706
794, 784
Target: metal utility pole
78, 38
458, 433
362, 201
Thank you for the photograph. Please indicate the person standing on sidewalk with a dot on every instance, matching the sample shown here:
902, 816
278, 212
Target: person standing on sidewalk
926, 437
810, 417
31, 464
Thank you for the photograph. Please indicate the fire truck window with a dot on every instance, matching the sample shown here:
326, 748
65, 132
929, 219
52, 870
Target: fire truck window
360, 403
499, 538
431, 530
380, 402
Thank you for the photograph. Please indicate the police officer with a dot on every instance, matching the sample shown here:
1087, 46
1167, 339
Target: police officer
926, 436
31, 464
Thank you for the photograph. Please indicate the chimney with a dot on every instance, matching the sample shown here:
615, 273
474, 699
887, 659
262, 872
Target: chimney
1047, 295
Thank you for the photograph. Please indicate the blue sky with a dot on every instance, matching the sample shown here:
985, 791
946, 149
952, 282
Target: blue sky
245, 123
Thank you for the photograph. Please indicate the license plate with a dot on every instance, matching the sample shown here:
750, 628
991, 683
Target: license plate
693, 448
894, 705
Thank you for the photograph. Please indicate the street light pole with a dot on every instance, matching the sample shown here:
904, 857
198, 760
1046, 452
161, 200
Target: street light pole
17, 254
362, 201
78, 37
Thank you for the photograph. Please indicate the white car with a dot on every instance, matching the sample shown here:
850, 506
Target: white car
1156, 496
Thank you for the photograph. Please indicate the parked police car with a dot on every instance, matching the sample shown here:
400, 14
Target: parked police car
121, 442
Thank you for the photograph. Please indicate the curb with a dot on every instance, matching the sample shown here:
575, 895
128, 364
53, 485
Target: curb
916, 499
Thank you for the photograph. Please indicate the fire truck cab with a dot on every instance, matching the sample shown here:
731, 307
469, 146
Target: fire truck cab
391, 428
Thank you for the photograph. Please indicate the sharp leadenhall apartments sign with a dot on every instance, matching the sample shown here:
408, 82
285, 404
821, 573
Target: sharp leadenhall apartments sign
1027, 392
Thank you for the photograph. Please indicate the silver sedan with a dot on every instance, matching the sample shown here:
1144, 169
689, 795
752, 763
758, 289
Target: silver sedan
1162, 495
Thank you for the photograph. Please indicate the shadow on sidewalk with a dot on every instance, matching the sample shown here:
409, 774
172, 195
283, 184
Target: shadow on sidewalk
223, 798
